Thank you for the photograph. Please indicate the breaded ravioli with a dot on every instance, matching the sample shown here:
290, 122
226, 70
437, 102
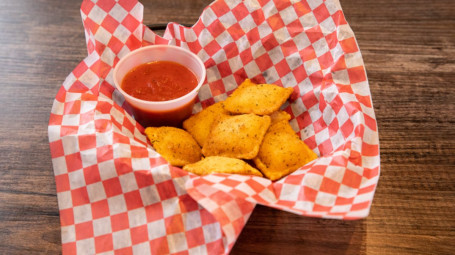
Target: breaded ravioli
217, 164
237, 136
260, 99
282, 152
175, 145
278, 116
200, 124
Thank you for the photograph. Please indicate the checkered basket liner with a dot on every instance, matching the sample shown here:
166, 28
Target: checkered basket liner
116, 195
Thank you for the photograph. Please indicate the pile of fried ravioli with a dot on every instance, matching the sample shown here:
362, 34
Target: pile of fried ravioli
245, 134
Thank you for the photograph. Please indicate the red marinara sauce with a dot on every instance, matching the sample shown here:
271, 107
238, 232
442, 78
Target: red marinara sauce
159, 81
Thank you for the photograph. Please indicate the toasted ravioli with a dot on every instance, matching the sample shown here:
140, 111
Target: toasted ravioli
217, 164
282, 152
175, 145
261, 99
200, 124
282, 126
279, 115
237, 136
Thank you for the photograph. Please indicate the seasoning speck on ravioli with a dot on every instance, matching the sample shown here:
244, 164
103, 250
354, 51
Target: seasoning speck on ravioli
260, 99
200, 124
175, 145
282, 152
218, 164
237, 136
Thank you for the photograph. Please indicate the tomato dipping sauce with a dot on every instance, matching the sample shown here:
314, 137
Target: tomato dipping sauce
159, 81
173, 117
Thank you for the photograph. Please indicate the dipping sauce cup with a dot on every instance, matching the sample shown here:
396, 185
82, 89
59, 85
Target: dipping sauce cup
160, 113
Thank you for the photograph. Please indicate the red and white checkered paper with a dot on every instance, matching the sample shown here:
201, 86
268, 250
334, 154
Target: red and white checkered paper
117, 195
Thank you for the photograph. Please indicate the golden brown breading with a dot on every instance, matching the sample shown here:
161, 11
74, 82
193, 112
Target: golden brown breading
218, 164
278, 116
261, 99
236, 136
175, 145
282, 152
200, 124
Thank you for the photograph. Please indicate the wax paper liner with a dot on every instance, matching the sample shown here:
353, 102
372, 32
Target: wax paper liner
116, 195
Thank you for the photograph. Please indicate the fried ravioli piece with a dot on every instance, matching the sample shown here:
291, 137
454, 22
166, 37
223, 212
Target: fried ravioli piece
218, 164
175, 145
237, 136
200, 124
278, 116
260, 99
282, 152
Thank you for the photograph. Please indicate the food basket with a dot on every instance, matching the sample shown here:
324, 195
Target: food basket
115, 193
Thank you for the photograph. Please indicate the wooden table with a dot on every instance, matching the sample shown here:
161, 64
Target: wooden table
409, 52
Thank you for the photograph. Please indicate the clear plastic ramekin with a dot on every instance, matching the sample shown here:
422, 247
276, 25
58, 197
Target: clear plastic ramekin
160, 113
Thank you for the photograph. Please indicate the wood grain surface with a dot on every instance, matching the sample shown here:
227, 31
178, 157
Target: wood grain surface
409, 52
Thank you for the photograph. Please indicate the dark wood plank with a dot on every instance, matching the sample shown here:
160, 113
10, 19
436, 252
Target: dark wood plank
41, 42
409, 52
